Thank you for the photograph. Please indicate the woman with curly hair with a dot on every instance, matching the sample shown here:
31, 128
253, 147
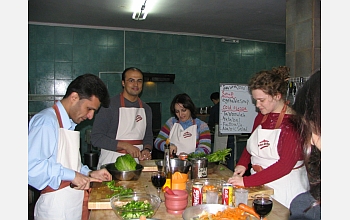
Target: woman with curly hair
273, 148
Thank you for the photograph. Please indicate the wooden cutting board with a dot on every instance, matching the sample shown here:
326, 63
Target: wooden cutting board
149, 165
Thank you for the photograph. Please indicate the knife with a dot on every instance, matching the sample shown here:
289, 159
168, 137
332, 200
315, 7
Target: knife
92, 184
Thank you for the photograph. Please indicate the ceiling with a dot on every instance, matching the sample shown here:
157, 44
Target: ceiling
258, 20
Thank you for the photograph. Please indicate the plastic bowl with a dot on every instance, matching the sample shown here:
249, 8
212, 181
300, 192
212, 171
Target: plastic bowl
123, 175
176, 164
118, 201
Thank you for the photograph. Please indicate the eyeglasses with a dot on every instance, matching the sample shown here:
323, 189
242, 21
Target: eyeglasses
133, 80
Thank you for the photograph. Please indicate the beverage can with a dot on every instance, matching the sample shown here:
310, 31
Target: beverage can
197, 193
227, 193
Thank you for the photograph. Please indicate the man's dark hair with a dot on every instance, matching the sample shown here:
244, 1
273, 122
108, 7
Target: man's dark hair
215, 96
89, 85
130, 68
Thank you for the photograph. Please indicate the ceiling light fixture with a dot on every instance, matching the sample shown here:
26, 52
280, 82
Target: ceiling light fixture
229, 41
142, 14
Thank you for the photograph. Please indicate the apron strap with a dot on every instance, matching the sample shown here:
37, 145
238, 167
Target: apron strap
58, 115
86, 214
122, 102
280, 117
63, 183
48, 189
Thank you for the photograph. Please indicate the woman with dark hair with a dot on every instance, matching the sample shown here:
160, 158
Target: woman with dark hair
185, 131
307, 105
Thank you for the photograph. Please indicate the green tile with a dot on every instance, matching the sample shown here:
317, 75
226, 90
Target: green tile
133, 39
32, 51
63, 70
44, 87
45, 70
178, 58
193, 43
260, 62
165, 41
61, 86
221, 59
132, 56
163, 57
248, 61
98, 53
235, 61
208, 44
208, 58
194, 58
81, 53
63, 35
32, 32
63, 52
149, 40
148, 56
45, 34
248, 47
81, 36
235, 48
115, 39
260, 48
179, 42
222, 47
99, 37
45, 52
115, 54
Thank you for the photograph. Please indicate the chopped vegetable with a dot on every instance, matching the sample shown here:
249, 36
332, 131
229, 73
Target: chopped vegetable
117, 190
135, 209
249, 210
125, 163
218, 156
229, 213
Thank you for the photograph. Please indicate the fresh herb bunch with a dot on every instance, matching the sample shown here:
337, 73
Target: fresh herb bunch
134, 209
117, 190
218, 156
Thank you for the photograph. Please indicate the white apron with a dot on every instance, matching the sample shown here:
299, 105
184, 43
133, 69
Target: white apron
220, 142
131, 129
184, 140
262, 145
65, 203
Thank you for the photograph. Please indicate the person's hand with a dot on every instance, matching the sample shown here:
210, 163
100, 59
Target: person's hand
145, 154
133, 151
101, 174
236, 180
239, 170
82, 182
173, 148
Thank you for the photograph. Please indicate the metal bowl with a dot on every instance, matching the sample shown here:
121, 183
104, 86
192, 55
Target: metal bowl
192, 212
176, 164
123, 175
118, 201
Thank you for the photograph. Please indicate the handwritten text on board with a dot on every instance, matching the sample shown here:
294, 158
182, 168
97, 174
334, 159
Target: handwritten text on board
237, 111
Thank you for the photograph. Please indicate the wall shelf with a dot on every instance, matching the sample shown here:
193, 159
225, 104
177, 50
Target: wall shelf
41, 98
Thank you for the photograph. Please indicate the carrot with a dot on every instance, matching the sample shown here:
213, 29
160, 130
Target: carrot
248, 209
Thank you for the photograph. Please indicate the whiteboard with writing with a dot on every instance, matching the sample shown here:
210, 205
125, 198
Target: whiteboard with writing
237, 110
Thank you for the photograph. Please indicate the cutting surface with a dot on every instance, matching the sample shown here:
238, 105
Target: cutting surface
99, 194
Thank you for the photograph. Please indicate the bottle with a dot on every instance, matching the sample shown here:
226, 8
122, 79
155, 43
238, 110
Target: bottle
166, 165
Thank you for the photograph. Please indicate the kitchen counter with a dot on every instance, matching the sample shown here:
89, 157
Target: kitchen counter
102, 210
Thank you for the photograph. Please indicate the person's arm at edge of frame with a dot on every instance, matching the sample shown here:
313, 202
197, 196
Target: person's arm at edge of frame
163, 135
203, 142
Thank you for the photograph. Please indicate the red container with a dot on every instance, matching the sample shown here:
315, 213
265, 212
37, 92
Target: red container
197, 195
227, 190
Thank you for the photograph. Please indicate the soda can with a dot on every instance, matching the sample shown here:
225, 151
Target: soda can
197, 195
227, 193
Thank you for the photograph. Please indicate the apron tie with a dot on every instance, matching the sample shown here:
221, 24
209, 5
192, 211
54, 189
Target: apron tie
258, 168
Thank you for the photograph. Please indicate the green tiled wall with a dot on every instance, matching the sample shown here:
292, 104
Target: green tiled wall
59, 54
